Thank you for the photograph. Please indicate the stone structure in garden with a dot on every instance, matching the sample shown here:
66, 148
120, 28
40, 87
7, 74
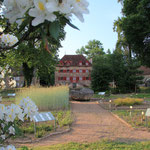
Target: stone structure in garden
74, 70
81, 93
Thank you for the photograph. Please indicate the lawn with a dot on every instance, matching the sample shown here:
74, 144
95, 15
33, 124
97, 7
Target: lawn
144, 93
101, 145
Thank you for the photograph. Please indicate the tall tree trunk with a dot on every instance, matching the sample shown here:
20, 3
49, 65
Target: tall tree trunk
28, 74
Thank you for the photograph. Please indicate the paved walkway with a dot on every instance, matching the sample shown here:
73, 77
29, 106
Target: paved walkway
93, 123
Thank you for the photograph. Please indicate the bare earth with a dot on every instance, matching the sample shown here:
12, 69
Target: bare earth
93, 123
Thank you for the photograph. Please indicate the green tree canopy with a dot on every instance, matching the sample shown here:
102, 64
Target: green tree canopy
135, 25
92, 49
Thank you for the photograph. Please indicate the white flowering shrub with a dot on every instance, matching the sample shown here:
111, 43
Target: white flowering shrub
12, 116
47, 17
41, 10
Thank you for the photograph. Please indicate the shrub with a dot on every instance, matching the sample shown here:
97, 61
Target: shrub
53, 98
64, 118
127, 101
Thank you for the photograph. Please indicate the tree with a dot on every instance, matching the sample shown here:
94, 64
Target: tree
101, 73
32, 22
122, 43
92, 49
126, 75
136, 29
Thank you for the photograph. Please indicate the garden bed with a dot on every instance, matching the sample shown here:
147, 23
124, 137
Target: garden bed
44, 129
136, 118
108, 106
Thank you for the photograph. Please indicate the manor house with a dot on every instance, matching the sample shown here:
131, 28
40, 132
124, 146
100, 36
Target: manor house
73, 69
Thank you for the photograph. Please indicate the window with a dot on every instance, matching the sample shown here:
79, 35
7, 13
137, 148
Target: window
74, 78
61, 70
87, 78
68, 78
87, 64
87, 71
80, 78
80, 64
61, 78
68, 70
80, 71
74, 70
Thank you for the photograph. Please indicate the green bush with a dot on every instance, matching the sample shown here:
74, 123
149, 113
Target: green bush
127, 101
64, 118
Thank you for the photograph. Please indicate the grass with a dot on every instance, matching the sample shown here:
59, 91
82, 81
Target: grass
144, 93
53, 98
101, 145
131, 95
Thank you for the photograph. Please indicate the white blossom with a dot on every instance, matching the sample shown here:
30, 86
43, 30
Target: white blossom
80, 8
41, 13
10, 147
11, 130
15, 9
2, 111
3, 136
42, 10
8, 39
29, 107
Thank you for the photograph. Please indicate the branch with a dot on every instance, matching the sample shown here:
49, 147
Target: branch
24, 37
7, 27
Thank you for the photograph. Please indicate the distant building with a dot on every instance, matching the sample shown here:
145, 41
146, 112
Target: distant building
146, 75
73, 69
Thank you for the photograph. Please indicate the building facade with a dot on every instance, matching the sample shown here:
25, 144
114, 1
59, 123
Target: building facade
73, 69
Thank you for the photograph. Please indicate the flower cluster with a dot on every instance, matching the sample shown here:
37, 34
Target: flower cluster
9, 115
41, 10
29, 107
8, 39
9, 147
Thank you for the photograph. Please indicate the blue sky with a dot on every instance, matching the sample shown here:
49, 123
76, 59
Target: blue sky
98, 25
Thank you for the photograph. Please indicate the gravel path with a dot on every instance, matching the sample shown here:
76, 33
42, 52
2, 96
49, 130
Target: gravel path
93, 123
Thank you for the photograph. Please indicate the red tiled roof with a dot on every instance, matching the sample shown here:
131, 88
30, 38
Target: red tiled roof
74, 60
146, 70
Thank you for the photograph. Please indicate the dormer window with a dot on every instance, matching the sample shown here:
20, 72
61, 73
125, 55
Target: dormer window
80, 63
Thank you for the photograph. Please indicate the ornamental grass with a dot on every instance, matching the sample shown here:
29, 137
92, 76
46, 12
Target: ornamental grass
51, 98
127, 101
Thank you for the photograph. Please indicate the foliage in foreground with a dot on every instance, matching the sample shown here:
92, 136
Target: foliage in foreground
102, 145
52, 98
127, 101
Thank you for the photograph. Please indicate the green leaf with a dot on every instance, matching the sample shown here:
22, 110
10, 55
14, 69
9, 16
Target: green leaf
54, 29
24, 24
72, 25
